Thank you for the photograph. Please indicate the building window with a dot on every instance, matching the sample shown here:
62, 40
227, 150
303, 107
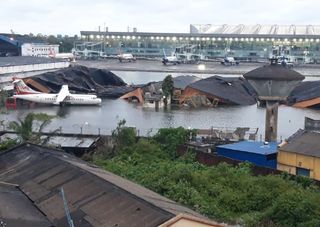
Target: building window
303, 172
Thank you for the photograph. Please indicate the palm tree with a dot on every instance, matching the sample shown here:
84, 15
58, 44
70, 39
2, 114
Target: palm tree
24, 127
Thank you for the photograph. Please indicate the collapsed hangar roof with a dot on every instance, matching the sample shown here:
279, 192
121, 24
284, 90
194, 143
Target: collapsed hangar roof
236, 90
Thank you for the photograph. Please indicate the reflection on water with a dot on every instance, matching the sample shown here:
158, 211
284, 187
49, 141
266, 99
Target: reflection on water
106, 116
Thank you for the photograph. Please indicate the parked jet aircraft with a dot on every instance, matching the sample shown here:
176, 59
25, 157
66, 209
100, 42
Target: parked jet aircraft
66, 56
63, 97
170, 59
126, 57
229, 61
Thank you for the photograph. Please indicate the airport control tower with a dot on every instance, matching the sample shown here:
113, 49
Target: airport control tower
273, 83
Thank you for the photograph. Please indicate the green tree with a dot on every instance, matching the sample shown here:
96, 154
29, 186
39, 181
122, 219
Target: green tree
123, 136
25, 127
167, 86
171, 138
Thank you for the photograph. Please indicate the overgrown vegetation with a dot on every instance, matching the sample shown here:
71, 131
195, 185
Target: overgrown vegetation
7, 144
24, 127
223, 192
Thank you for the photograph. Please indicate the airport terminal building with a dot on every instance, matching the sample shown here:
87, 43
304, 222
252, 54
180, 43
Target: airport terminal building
300, 43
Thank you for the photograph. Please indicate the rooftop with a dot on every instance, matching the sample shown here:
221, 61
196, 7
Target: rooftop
273, 72
17, 210
232, 89
257, 29
181, 82
303, 142
95, 197
253, 147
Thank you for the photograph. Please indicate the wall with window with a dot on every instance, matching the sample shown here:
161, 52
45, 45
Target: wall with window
38, 50
299, 164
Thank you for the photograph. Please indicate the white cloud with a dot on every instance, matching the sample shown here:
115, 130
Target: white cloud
70, 17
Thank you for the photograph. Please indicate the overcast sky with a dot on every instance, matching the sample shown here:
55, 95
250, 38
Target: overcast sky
72, 16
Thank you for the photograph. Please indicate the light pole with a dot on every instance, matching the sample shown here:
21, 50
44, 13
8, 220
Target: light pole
81, 126
190, 134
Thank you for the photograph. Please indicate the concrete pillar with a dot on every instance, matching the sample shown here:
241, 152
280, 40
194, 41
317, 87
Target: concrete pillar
271, 127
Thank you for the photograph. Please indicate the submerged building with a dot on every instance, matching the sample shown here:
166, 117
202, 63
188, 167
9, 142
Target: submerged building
216, 90
300, 43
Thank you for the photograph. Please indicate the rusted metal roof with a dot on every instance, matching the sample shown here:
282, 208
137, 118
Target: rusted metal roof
95, 197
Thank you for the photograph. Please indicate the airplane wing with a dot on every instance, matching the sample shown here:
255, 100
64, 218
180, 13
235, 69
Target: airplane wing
63, 93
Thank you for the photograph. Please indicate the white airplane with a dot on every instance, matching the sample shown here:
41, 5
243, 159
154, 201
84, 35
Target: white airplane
170, 59
63, 97
65, 56
229, 61
126, 57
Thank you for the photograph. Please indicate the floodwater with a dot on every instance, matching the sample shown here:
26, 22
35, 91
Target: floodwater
104, 118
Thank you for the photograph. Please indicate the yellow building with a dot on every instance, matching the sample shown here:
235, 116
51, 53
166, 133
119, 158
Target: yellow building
301, 155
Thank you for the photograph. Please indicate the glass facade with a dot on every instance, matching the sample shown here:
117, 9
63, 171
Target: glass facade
210, 46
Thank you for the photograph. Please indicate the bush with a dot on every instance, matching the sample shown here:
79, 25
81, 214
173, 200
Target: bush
7, 144
170, 139
222, 192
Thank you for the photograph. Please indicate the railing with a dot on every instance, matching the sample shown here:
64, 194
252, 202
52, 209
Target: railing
86, 129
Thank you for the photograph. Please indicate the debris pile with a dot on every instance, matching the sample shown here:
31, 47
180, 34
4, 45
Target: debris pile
81, 79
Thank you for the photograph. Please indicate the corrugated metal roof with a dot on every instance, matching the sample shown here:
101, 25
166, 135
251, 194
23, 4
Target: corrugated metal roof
63, 141
17, 210
60, 141
253, 147
181, 82
305, 91
304, 142
95, 197
233, 89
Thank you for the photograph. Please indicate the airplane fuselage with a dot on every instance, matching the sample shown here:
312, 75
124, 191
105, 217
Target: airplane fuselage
126, 57
71, 99
171, 59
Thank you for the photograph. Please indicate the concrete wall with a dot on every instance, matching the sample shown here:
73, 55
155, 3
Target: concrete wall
7, 72
33, 67
289, 162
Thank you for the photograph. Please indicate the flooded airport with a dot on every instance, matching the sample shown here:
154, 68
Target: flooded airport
103, 119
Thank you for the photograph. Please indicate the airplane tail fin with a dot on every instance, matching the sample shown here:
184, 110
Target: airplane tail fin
52, 53
164, 53
21, 88
63, 93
